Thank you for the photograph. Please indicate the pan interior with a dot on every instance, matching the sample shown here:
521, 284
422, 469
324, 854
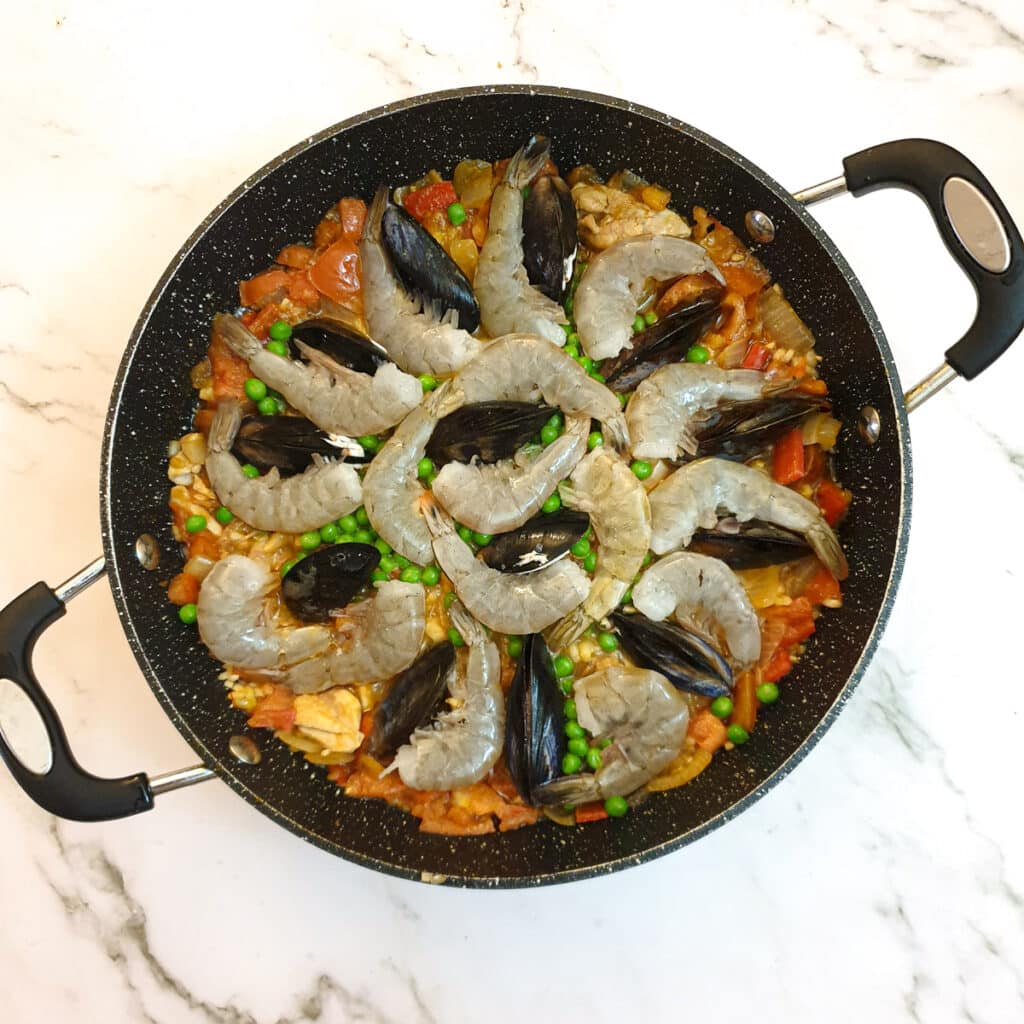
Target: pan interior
152, 404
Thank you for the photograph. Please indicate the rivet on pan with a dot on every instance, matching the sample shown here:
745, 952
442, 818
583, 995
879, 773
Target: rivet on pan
245, 749
869, 424
147, 551
759, 226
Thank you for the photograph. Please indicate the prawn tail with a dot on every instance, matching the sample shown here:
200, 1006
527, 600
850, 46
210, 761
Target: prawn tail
617, 432
236, 336
569, 789
437, 522
375, 215
825, 545
224, 428
523, 167
469, 629
567, 630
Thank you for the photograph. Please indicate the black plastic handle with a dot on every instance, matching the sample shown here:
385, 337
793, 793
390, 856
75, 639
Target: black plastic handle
941, 175
66, 790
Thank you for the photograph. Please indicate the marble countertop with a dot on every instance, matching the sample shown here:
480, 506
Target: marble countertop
882, 881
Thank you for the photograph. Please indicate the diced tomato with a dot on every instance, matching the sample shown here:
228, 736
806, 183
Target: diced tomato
744, 711
230, 372
779, 665
336, 274
590, 812
259, 323
296, 256
203, 420
275, 711
183, 589
832, 500
742, 280
353, 214
812, 386
814, 464
429, 199
203, 545
327, 232
270, 286
823, 586
707, 731
788, 457
301, 290
757, 357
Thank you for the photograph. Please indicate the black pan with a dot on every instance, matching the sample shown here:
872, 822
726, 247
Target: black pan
151, 403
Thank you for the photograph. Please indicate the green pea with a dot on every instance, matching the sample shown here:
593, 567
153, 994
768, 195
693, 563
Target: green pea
563, 666
548, 434
578, 747
590, 562
348, 524
266, 406
639, 323
514, 646
596, 376
402, 561
607, 642
449, 599
369, 442
721, 707
581, 548
697, 354
571, 349
574, 730
627, 596
411, 575
552, 504
573, 339
361, 517
382, 546
648, 558
624, 398
586, 362
767, 693
424, 468
255, 389
737, 734
566, 685
556, 420
482, 539
364, 537
288, 566
456, 637
431, 575
223, 516
605, 743
595, 440
569, 708
567, 306
187, 614
329, 533
650, 317
567, 328
428, 382
571, 764
278, 348
280, 330
387, 563
641, 468
310, 541
457, 214
593, 759
378, 575
195, 524
465, 533
616, 806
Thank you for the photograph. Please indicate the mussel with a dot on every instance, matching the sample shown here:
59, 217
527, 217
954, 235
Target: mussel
342, 342
426, 269
537, 543
549, 236
289, 444
686, 659
488, 431
739, 430
415, 696
666, 341
534, 723
322, 583
750, 545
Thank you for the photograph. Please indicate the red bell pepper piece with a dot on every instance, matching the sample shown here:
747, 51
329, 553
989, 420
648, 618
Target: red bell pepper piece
757, 357
590, 812
788, 457
430, 199
832, 500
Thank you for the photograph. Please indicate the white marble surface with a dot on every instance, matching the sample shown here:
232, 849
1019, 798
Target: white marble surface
883, 881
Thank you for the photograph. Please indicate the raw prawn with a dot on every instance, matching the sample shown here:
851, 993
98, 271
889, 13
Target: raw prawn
691, 497
321, 494
688, 585
611, 286
508, 302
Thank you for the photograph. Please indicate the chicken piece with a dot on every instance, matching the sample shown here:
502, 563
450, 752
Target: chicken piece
607, 215
330, 718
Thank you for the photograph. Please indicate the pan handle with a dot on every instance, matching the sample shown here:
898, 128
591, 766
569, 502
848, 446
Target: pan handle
65, 788
976, 228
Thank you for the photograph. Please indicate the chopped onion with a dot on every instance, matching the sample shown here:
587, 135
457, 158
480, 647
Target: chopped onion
198, 566
474, 182
782, 324
731, 357
821, 428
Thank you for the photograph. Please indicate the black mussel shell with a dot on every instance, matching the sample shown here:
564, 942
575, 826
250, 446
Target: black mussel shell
750, 545
341, 343
488, 431
537, 543
666, 341
534, 724
425, 268
740, 430
687, 660
288, 443
549, 236
324, 582
414, 698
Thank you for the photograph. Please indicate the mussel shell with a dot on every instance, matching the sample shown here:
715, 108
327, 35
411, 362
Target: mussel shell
666, 341
534, 723
740, 430
549, 236
343, 343
537, 543
488, 431
687, 660
425, 268
751, 545
414, 698
322, 583
289, 444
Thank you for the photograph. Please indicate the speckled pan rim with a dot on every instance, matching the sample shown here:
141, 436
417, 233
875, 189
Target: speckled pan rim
226, 771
